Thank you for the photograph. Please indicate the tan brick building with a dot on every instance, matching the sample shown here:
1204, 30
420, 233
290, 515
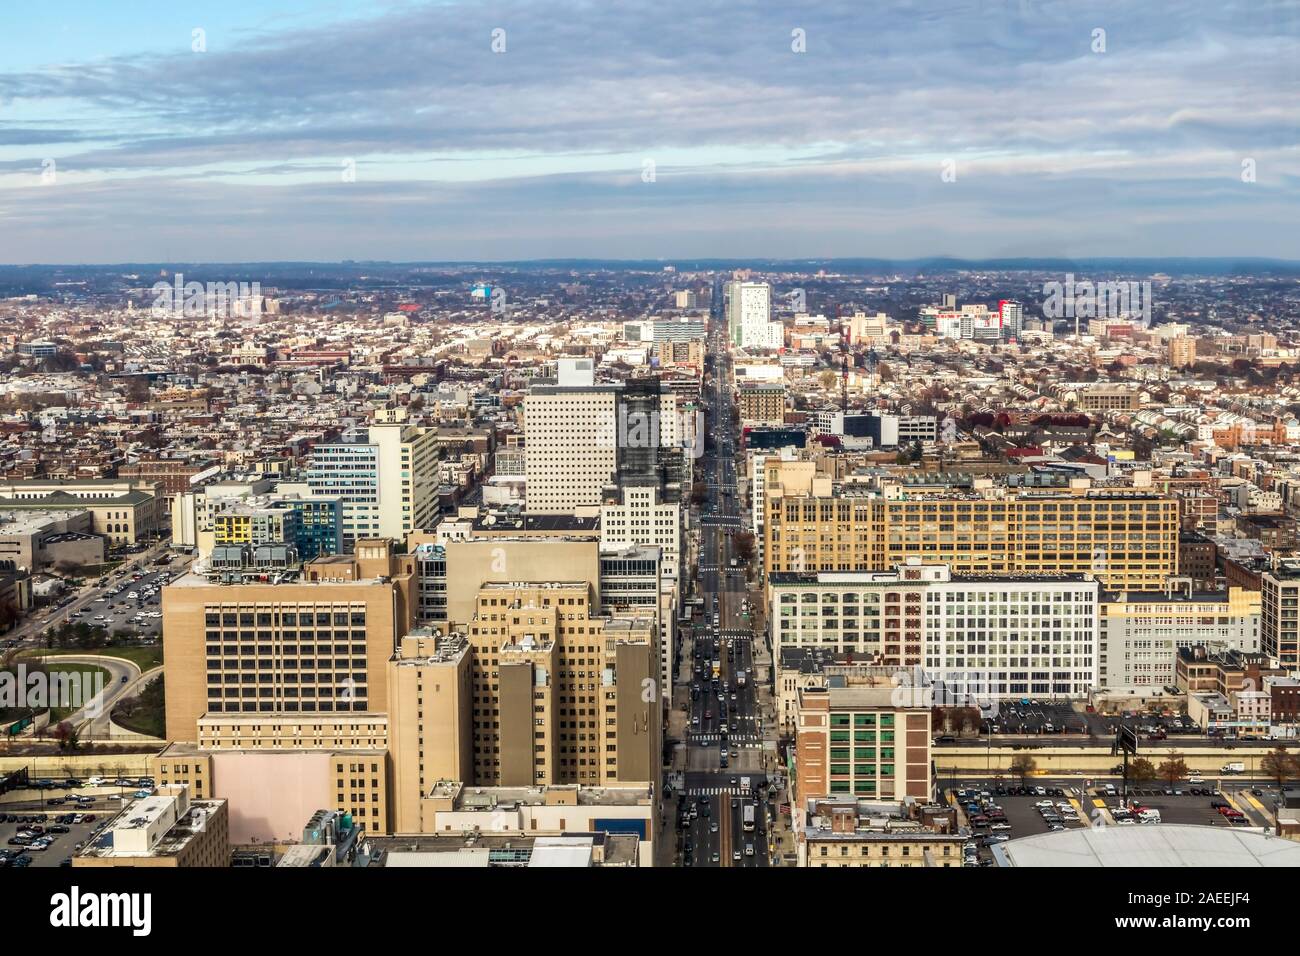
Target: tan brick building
310, 641
560, 694
1127, 538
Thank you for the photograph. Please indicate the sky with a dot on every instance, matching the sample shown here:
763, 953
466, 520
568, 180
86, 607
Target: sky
253, 130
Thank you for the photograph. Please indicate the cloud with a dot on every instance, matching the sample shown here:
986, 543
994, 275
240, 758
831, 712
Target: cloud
1009, 89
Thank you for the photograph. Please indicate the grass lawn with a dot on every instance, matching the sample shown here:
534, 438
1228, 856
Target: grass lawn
146, 712
145, 658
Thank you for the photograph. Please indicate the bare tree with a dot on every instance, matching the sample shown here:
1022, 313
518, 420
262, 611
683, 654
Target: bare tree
1173, 769
1022, 765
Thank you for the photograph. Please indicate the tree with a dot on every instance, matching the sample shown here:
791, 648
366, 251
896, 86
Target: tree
743, 544
1280, 765
699, 492
1141, 769
1173, 769
66, 735
1022, 765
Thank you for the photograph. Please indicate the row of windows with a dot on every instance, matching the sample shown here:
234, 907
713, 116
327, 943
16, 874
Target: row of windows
355, 618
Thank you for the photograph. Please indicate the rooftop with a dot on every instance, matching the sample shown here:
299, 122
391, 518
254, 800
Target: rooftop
1164, 845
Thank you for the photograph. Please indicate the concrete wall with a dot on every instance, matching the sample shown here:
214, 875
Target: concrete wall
272, 795
81, 765
1097, 760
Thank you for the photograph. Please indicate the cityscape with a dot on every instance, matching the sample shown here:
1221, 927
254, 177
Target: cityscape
770, 458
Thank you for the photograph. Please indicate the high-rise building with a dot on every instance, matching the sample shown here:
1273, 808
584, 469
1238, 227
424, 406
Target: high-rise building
584, 437
1142, 633
571, 453
1279, 635
679, 330
684, 299
1182, 351
561, 693
749, 316
636, 515
761, 403
408, 477
1127, 538
310, 639
431, 708
1012, 318
388, 484
985, 636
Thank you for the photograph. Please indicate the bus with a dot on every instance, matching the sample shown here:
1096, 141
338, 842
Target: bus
748, 818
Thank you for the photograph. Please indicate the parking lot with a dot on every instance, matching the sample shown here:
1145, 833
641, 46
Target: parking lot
1007, 811
1033, 717
1012, 811
52, 820
130, 606
1192, 804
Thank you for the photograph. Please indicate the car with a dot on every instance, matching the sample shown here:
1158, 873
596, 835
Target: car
715, 856
713, 826
735, 854
1000, 826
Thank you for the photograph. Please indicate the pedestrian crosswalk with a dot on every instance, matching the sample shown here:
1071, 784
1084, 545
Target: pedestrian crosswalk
735, 791
747, 739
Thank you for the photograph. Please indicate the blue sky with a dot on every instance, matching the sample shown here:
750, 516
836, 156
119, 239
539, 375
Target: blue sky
392, 130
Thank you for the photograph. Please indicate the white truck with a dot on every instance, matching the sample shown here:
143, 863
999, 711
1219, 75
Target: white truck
1233, 767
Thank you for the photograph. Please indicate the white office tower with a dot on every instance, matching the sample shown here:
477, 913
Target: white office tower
570, 435
388, 484
1013, 317
575, 372
408, 478
637, 516
749, 316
